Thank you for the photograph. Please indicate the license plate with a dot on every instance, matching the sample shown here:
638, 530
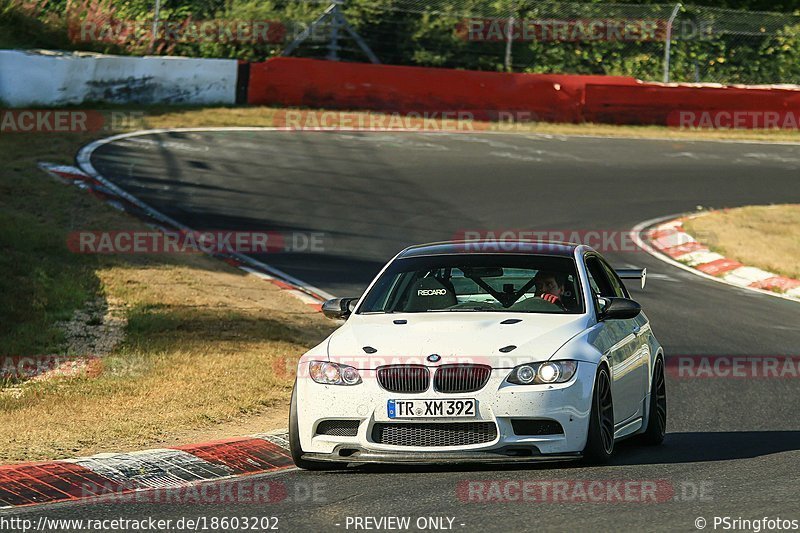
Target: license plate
455, 408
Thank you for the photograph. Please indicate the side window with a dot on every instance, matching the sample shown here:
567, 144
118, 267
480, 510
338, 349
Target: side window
598, 278
616, 283
593, 284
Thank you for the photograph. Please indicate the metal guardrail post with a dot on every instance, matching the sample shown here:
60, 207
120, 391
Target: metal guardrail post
333, 44
154, 34
306, 33
357, 38
509, 41
337, 21
668, 44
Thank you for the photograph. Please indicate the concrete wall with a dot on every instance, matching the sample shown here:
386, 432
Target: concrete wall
33, 78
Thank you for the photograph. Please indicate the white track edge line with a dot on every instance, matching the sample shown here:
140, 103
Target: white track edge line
448, 132
83, 159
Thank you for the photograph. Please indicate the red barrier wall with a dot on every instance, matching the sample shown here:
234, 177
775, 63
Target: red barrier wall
337, 85
545, 97
664, 105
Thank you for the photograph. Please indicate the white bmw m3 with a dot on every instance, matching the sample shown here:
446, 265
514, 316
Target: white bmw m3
482, 352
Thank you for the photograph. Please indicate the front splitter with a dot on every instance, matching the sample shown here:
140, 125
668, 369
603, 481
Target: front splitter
371, 456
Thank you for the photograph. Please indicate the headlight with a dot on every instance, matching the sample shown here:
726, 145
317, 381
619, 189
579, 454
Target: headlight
333, 373
549, 373
525, 374
543, 373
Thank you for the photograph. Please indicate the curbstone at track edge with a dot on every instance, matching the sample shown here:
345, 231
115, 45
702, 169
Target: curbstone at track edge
666, 239
118, 474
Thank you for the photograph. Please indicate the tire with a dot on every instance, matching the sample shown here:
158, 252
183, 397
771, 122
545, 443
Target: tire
294, 441
600, 439
657, 417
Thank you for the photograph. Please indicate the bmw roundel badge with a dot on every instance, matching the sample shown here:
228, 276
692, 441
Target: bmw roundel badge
434, 358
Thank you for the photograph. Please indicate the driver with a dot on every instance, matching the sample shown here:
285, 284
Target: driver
549, 287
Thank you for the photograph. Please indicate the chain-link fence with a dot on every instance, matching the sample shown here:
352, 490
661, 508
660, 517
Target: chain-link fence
652, 42
726, 46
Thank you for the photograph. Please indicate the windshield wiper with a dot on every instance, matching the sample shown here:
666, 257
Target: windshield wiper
460, 309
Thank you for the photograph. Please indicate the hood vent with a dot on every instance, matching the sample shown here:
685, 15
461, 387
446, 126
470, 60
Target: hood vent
511, 321
508, 348
369, 349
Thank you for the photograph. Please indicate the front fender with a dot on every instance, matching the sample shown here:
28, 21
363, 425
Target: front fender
587, 346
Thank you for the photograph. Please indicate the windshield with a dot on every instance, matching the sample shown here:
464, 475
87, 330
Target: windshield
471, 282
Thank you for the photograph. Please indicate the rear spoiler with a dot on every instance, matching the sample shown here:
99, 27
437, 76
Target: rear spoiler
632, 273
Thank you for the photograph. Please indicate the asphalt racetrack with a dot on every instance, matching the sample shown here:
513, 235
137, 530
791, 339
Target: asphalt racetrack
733, 445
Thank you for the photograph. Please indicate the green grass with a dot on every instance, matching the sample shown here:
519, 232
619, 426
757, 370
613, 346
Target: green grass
20, 30
42, 281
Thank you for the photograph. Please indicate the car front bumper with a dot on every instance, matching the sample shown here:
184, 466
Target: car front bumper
498, 403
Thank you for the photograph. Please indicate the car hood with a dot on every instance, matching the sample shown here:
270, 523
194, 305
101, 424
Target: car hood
456, 337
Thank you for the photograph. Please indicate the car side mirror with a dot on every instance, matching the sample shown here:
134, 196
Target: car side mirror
617, 308
339, 308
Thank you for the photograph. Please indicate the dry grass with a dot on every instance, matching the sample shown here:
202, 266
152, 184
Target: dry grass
267, 116
767, 237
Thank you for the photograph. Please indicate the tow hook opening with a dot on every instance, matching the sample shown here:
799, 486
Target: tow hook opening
346, 452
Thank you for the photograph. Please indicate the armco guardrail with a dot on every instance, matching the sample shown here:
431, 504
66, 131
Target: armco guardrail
46, 78
338, 85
